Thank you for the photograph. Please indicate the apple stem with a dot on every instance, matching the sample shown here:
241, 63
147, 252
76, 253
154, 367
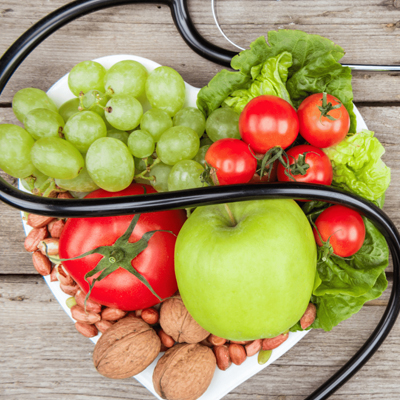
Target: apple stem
231, 217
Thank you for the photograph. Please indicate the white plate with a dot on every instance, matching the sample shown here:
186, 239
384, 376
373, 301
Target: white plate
223, 381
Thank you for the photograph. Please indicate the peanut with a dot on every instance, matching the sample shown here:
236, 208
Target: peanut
205, 342
215, 340
65, 195
41, 263
240, 341
237, 353
53, 275
112, 314
56, 227
38, 221
34, 237
69, 289
49, 246
166, 340
91, 305
309, 316
103, 325
273, 343
86, 330
80, 315
63, 276
222, 355
253, 347
138, 313
150, 316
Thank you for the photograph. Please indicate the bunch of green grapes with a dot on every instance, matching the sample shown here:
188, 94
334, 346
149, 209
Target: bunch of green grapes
102, 139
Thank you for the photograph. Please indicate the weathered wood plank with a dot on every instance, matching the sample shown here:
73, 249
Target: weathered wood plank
43, 357
368, 30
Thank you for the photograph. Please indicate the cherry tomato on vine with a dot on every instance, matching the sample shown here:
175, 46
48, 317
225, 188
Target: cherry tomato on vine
343, 227
315, 164
323, 123
268, 121
232, 160
122, 289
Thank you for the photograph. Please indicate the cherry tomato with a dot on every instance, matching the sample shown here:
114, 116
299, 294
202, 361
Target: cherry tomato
345, 228
319, 166
121, 289
268, 121
318, 129
233, 161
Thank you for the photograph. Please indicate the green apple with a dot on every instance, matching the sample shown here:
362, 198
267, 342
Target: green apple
247, 271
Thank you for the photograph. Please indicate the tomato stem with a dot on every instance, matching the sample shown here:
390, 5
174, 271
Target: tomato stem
326, 108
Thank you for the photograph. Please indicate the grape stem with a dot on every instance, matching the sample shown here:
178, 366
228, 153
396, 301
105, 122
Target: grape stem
148, 169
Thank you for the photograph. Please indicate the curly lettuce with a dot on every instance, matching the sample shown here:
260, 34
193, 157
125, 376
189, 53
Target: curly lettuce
358, 167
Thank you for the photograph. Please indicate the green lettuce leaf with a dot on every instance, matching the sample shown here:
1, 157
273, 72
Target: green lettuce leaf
268, 78
358, 167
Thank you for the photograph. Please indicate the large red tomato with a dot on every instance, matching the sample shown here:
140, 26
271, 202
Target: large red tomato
268, 121
121, 289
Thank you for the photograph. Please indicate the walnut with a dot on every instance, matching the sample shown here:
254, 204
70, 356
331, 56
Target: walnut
178, 323
184, 372
126, 349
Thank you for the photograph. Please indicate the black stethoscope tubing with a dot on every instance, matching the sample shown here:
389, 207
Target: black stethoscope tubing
204, 196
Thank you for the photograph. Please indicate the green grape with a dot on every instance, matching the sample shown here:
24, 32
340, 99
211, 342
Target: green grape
85, 76
141, 144
126, 77
95, 101
176, 144
160, 172
165, 89
82, 183
28, 99
69, 108
155, 122
201, 154
15, 145
83, 128
185, 175
140, 165
57, 158
192, 118
42, 122
110, 164
223, 123
205, 141
34, 181
124, 112
117, 134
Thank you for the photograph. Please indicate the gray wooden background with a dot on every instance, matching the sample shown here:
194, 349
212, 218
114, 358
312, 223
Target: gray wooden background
41, 354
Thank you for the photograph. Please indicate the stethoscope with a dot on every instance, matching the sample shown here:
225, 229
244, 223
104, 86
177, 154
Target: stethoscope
204, 196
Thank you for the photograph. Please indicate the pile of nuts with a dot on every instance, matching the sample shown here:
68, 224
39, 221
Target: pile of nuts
132, 340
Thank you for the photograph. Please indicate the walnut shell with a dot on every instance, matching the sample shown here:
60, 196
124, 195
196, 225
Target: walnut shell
179, 324
184, 372
126, 349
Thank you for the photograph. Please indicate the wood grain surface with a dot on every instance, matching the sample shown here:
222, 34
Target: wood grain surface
41, 354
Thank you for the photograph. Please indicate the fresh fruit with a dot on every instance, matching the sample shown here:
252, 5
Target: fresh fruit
232, 161
223, 123
155, 122
268, 121
16, 144
82, 183
141, 144
121, 289
341, 228
307, 164
160, 174
192, 118
41, 122
200, 157
254, 279
124, 112
118, 134
69, 108
185, 175
324, 120
165, 89
85, 76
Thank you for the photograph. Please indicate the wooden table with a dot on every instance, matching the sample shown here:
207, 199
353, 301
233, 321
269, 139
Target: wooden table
41, 354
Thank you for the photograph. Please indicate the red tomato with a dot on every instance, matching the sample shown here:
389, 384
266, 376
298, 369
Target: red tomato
233, 161
344, 227
319, 130
268, 121
320, 168
265, 179
121, 289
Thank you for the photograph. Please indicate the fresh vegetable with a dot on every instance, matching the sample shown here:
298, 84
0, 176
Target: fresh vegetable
313, 167
154, 261
324, 121
358, 167
231, 162
340, 229
249, 275
267, 122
